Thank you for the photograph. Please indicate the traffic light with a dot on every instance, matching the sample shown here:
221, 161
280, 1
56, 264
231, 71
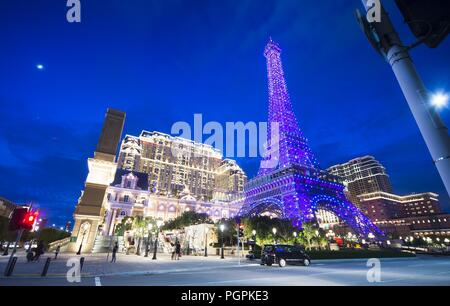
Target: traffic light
29, 220
22, 218
428, 20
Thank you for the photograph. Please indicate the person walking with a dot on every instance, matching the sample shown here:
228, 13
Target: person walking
174, 250
178, 250
114, 251
58, 249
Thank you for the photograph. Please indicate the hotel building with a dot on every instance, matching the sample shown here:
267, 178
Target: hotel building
380, 206
174, 163
362, 175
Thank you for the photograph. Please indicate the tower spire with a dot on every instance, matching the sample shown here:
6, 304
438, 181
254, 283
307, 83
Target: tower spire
289, 146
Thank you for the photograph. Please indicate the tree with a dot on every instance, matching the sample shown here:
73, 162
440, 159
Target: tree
125, 225
139, 226
308, 233
188, 218
49, 235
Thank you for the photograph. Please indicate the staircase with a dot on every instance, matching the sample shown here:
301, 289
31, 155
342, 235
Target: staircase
103, 244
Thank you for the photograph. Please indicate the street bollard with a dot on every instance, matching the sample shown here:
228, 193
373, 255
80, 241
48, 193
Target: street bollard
81, 263
47, 264
10, 267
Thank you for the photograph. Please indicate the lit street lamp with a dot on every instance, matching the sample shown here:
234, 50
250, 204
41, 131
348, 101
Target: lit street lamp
222, 228
85, 228
254, 239
274, 231
159, 223
439, 100
149, 227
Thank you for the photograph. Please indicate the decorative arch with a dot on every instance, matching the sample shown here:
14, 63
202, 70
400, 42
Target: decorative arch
346, 212
273, 205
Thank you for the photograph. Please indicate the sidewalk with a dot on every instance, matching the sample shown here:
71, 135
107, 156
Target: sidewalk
97, 265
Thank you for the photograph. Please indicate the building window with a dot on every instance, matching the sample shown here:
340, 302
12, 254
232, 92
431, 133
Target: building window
126, 198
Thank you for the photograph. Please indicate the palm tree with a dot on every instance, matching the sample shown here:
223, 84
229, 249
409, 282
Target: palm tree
308, 233
139, 225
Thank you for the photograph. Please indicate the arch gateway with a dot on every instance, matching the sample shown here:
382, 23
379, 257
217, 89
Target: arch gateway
289, 182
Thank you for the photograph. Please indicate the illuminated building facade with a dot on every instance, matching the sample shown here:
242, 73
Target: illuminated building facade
381, 206
130, 195
362, 175
6, 207
172, 163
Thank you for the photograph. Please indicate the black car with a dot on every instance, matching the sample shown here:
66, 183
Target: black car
282, 254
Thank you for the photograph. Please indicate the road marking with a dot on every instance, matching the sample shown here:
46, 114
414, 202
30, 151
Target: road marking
98, 282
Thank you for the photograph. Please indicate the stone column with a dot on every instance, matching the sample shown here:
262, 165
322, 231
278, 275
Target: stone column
112, 223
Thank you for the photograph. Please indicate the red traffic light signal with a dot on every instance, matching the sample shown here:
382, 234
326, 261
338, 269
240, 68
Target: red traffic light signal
29, 220
22, 218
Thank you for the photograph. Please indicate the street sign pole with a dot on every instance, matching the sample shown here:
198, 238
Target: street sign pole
19, 235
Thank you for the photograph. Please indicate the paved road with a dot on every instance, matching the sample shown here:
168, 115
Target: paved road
422, 270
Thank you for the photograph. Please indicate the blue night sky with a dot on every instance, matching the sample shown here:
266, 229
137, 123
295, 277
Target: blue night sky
161, 61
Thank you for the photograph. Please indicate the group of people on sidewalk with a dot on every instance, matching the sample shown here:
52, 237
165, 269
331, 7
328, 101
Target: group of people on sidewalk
176, 251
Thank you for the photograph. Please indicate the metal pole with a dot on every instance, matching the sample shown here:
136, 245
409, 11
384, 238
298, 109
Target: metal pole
431, 126
81, 244
147, 245
206, 244
19, 235
156, 245
222, 255
47, 264
238, 245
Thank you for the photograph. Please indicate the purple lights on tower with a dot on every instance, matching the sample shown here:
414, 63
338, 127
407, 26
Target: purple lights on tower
290, 145
294, 187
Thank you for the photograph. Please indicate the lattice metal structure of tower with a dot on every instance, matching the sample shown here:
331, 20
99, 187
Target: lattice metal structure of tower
289, 181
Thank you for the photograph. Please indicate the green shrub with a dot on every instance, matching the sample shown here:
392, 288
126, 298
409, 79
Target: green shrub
353, 254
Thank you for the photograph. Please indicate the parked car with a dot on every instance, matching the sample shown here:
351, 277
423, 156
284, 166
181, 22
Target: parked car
283, 254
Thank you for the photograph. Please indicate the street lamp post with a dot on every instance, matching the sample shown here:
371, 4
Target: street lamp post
149, 227
85, 227
295, 237
431, 126
254, 240
222, 228
206, 242
159, 223
274, 231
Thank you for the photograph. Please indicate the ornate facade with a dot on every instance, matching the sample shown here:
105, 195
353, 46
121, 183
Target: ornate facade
172, 163
130, 195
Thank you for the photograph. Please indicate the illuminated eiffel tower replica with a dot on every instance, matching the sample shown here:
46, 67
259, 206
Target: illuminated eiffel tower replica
289, 182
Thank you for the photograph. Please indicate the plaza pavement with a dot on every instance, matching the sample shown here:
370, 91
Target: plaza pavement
98, 265
213, 271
